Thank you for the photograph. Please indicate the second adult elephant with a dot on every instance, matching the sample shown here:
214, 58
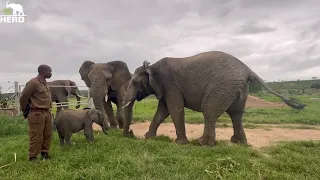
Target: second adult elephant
60, 94
108, 83
211, 82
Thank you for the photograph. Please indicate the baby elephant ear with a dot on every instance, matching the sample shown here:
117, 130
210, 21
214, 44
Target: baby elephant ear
91, 114
146, 64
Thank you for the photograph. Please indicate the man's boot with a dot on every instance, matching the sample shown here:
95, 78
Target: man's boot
45, 155
32, 158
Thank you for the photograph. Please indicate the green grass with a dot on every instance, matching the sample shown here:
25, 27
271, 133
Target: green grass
115, 157
145, 110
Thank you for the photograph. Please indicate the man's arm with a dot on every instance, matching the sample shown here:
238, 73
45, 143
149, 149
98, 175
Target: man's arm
30, 88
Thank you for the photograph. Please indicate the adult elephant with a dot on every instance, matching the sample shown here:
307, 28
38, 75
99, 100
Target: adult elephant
210, 82
60, 94
108, 83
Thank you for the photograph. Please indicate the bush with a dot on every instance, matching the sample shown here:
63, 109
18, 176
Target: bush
254, 88
315, 86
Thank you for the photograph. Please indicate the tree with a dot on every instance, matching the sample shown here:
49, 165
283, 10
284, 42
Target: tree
254, 88
315, 86
1, 92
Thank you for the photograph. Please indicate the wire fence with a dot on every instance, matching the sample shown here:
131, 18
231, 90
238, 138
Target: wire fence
11, 102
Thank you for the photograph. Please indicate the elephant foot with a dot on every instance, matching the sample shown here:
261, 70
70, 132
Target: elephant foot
207, 141
150, 134
128, 134
113, 127
182, 141
120, 126
237, 140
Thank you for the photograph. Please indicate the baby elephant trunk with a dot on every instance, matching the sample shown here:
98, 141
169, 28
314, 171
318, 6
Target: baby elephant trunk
104, 128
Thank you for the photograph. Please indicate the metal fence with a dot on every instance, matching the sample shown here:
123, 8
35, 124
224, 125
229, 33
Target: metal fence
14, 99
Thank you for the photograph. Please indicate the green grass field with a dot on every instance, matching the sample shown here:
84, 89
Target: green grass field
116, 157
145, 110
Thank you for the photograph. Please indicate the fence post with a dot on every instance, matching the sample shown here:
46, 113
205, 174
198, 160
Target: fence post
16, 97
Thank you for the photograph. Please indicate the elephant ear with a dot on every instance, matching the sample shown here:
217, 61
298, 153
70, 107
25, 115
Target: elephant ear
84, 69
145, 64
72, 83
108, 75
92, 114
68, 89
154, 81
120, 74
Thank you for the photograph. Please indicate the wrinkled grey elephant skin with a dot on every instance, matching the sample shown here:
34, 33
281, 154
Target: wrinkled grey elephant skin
108, 83
210, 82
60, 94
69, 121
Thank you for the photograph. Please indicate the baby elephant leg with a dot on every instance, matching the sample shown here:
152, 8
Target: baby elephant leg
67, 137
61, 139
88, 132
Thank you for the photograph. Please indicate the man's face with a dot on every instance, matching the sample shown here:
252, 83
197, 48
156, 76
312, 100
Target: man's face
48, 73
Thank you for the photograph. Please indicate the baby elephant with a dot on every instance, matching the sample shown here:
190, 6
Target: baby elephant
70, 121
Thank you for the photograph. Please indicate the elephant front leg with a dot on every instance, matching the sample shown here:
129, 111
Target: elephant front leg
88, 132
63, 102
161, 114
110, 114
175, 106
59, 107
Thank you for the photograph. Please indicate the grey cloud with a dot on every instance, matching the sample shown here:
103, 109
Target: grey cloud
63, 34
255, 28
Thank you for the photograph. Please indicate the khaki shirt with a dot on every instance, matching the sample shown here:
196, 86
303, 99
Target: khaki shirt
37, 93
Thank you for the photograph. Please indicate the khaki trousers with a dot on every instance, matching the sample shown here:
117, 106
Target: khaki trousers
40, 131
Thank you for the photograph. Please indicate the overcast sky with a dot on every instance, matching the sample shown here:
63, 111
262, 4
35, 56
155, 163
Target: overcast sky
278, 39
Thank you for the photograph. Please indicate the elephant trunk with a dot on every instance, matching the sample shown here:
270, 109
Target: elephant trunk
96, 92
104, 127
78, 98
130, 97
127, 119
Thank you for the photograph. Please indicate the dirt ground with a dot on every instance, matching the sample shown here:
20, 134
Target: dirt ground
257, 137
253, 101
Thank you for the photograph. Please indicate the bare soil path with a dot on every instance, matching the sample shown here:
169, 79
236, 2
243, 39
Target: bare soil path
257, 137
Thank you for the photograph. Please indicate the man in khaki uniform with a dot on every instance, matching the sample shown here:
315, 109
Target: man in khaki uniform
37, 95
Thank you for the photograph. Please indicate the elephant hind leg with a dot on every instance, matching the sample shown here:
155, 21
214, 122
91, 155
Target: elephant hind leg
236, 111
61, 138
68, 138
212, 108
208, 137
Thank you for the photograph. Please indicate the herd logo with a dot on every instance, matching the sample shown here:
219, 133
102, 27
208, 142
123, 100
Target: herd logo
12, 13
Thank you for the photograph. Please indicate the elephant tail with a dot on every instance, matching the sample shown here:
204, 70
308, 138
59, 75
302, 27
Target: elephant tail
292, 102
